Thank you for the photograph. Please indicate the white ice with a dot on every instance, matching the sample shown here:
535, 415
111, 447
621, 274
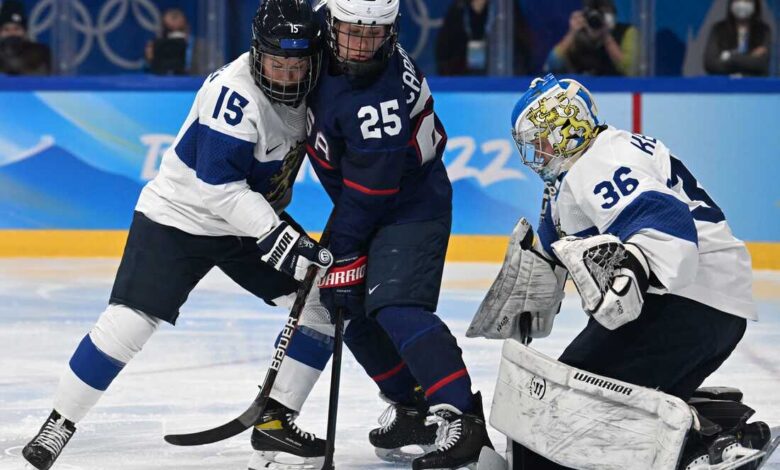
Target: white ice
206, 369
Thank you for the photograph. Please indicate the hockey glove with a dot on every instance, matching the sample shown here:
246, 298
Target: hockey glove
343, 286
290, 252
611, 277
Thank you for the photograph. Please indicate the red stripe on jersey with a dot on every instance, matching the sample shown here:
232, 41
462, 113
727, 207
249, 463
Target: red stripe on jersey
389, 373
446, 380
313, 154
369, 191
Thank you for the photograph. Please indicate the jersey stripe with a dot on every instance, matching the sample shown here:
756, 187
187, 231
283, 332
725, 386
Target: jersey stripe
369, 191
658, 211
217, 158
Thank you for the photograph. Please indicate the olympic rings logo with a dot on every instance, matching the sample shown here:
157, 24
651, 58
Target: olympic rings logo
111, 15
418, 12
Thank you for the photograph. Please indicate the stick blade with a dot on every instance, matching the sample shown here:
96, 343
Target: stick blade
225, 431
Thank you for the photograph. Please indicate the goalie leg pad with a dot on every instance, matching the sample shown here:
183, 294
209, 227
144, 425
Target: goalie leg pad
583, 420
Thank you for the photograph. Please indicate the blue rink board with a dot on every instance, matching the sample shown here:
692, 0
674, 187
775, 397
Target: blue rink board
74, 153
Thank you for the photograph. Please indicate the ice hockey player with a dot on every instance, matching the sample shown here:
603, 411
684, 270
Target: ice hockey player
218, 200
665, 283
376, 144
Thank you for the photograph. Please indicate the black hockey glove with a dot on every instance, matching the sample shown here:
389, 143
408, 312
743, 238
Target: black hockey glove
290, 252
344, 286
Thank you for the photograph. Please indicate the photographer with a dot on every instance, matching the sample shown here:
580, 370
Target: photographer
595, 43
18, 54
171, 52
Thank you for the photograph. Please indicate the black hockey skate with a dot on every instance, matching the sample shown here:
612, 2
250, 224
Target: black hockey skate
724, 439
402, 426
280, 444
46, 446
459, 439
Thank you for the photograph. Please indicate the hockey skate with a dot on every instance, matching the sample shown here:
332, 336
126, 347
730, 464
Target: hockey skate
42, 451
280, 444
403, 428
459, 438
724, 440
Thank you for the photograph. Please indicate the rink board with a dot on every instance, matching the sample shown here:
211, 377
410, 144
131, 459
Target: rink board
75, 153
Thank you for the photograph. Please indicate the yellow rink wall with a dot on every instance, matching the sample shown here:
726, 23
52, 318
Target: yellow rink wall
110, 243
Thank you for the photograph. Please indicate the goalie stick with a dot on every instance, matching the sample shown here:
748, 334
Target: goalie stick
251, 415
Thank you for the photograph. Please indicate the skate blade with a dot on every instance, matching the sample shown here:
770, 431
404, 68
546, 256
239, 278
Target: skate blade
403, 454
283, 461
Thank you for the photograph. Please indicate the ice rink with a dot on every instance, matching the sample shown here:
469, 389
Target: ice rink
206, 369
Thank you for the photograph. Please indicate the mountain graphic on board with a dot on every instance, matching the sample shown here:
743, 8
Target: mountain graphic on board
53, 189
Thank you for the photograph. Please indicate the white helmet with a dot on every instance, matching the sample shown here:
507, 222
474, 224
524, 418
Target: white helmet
364, 54
553, 123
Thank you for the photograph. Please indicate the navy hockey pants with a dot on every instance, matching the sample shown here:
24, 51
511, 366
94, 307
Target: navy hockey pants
673, 346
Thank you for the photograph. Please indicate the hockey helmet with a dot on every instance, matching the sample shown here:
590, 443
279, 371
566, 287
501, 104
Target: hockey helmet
553, 123
286, 45
362, 35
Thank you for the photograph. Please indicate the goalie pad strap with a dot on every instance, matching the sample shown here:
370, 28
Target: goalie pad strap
583, 420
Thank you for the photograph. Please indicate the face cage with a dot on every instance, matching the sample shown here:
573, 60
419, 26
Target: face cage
370, 60
291, 94
547, 165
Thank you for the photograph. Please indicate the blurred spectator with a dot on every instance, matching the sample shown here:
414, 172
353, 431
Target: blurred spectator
171, 52
18, 54
740, 43
462, 46
595, 43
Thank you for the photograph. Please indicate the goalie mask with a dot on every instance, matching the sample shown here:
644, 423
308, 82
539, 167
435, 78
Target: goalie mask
362, 35
286, 43
553, 123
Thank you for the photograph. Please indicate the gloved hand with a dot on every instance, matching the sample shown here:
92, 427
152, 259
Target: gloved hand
343, 286
290, 252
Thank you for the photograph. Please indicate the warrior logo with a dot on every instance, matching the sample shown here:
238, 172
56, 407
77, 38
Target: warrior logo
537, 388
603, 383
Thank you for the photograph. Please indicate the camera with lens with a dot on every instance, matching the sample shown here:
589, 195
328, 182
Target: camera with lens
594, 17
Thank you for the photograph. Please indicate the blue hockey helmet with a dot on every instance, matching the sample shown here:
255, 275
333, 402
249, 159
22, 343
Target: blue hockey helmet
553, 123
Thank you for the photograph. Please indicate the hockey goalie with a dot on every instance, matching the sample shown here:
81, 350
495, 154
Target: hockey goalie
667, 288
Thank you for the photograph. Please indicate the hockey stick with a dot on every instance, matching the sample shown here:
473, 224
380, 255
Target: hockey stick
251, 415
333, 401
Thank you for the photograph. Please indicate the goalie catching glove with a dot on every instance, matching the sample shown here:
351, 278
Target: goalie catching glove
611, 277
290, 252
528, 282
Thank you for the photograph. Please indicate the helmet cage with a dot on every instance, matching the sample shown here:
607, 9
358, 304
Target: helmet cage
278, 91
362, 54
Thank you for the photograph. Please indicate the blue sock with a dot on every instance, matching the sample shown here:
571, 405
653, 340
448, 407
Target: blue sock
431, 353
94, 367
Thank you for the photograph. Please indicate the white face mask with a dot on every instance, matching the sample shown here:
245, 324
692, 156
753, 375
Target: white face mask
609, 20
743, 9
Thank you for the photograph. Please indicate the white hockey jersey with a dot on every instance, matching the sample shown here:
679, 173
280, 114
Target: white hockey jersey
231, 168
630, 185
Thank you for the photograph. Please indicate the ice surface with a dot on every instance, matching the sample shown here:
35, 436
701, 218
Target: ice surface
206, 369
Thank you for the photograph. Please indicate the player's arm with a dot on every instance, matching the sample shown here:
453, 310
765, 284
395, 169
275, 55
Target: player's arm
648, 237
222, 148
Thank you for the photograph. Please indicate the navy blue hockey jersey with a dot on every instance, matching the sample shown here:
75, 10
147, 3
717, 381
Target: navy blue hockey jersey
377, 151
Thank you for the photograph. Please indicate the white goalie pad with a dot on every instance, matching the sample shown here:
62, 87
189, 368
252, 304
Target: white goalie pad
583, 420
526, 283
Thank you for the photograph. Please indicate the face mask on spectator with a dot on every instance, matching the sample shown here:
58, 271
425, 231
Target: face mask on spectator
742, 9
